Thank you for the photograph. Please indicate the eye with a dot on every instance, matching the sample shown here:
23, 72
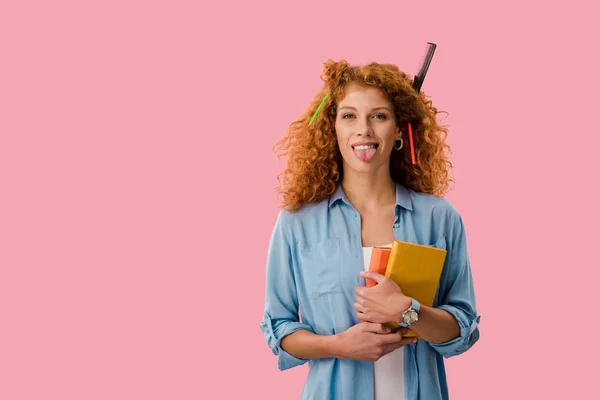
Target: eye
381, 116
347, 115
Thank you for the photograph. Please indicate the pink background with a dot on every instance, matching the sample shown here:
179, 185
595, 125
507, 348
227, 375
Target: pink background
137, 177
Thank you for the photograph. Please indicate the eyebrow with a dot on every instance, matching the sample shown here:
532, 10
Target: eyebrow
376, 108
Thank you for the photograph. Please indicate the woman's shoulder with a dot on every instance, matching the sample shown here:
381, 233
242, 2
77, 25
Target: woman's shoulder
438, 215
307, 213
435, 205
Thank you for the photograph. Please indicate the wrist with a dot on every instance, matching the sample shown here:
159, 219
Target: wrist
404, 304
334, 346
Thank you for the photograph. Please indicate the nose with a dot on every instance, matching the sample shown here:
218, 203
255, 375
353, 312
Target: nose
364, 128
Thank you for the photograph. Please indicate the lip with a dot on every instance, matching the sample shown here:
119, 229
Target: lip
364, 144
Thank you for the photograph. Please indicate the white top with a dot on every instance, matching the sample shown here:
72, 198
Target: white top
389, 369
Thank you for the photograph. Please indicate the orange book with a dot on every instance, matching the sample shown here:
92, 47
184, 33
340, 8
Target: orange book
379, 261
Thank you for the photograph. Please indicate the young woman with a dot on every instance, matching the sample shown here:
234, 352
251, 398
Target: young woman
350, 184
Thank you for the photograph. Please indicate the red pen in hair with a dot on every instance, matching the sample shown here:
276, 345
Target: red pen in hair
412, 144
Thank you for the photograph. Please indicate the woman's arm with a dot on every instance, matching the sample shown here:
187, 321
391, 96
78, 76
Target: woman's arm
280, 316
434, 325
364, 342
306, 345
385, 302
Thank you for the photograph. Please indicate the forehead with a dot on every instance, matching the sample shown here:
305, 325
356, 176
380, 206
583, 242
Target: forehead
363, 96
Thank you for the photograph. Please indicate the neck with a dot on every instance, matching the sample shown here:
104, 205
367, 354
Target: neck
369, 192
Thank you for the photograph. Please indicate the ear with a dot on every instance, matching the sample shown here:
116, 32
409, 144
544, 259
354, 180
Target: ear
398, 134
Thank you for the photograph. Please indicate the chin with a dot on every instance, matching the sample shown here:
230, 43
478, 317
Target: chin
362, 167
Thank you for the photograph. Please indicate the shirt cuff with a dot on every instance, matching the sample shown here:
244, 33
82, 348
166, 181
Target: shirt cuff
469, 334
273, 336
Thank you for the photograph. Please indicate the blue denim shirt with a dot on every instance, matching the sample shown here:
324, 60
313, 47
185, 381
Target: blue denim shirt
313, 265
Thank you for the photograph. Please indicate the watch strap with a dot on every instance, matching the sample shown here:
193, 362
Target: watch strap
416, 305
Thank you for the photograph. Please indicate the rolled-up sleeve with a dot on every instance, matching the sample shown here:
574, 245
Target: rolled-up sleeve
280, 317
458, 298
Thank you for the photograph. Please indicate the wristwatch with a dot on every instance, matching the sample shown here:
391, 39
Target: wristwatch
411, 315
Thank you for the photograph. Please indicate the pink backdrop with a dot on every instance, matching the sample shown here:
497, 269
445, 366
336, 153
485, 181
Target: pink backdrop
137, 177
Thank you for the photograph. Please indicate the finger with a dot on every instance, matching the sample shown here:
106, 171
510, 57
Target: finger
373, 275
359, 291
360, 300
376, 328
388, 348
363, 317
366, 316
359, 307
403, 331
403, 342
406, 341
392, 338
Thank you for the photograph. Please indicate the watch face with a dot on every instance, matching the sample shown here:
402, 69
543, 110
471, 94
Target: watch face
411, 317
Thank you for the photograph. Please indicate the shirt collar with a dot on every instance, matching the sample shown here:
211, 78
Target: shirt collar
403, 198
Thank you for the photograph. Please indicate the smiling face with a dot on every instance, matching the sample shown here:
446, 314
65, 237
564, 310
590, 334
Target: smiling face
366, 129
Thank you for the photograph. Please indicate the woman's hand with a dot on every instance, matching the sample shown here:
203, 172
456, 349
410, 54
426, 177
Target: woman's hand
370, 342
381, 303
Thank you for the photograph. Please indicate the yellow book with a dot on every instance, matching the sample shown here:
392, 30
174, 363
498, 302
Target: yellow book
416, 269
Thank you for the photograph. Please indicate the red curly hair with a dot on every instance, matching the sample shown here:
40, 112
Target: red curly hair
314, 165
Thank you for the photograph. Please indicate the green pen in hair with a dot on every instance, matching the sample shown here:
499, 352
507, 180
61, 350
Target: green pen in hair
318, 109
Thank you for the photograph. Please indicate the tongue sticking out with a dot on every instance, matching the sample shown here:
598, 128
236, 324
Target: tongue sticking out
365, 155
